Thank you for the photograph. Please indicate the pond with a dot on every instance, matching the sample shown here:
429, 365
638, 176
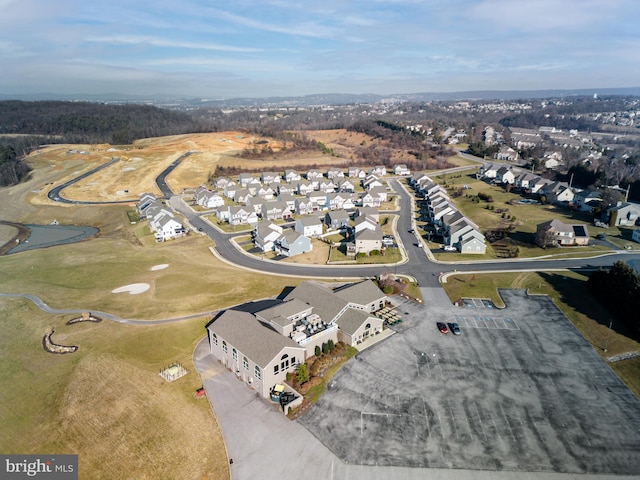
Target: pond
42, 236
527, 201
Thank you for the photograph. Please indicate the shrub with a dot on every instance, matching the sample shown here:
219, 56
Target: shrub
325, 348
318, 351
330, 345
387, 289
374, 253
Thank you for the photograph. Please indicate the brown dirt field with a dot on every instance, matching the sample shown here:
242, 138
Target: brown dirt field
167, 435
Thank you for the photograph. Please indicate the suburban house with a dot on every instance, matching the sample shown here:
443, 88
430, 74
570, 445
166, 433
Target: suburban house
318, 198
380, 192
336, 201
587, 200
378, 170
524, 180
265, 191
167, 227
222, 182
367, 239
371, 181
242, 195
265, 233
291, 176
505, 175
507, 153
624, 214
362, 221
314, 176
368, 199
287, 188
489, 171
557, 192
304, 206
472, 242
401, 170
208, 199
303, 187
371, 212
553, 233
326, 186
274, 210
256, 204
291, 243
309, 226
289, 199
336, 219
346, 185
245, 179
269, 177
635, 235
161, 220
335, 173
356, 172
239, 215
539, 184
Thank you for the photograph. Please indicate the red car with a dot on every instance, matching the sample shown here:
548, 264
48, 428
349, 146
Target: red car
442, 327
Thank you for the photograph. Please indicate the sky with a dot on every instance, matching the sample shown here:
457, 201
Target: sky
242, 48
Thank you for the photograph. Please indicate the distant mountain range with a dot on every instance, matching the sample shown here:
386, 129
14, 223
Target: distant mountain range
325, 99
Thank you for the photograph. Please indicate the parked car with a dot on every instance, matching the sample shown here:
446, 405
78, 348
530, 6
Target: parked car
455, 328
600, 236
442, 327
447, 248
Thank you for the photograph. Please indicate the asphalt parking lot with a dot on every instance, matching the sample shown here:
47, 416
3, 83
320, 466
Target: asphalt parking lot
519, 390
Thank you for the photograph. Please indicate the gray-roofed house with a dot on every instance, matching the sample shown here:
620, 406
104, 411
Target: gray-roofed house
309, 226
336, 219
624, 214
292, 243
553, 233
258, 355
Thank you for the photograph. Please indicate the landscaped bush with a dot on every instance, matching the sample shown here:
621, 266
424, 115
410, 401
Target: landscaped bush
318, 351
387, 289
374, 253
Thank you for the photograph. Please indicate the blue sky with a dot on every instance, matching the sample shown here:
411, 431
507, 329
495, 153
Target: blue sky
283, 47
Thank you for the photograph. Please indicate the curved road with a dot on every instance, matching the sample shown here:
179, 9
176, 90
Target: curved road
55, 193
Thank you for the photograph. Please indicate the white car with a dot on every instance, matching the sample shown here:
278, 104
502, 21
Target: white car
447, 248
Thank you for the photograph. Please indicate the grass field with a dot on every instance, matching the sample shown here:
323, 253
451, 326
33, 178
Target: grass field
569, 292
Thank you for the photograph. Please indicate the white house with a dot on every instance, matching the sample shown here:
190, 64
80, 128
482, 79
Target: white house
401, 170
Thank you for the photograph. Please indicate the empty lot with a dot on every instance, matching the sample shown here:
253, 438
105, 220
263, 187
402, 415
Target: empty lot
519, 390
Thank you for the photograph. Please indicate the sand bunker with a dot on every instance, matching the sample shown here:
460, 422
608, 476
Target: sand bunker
159, 267
133, 289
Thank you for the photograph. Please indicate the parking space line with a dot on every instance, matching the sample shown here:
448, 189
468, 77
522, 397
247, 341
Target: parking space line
500, 323
489, 323
484, 433
453, 420
480, 322
506, 421
511, 324
426, 416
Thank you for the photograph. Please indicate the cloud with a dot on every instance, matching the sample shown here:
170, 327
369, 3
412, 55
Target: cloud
168, 43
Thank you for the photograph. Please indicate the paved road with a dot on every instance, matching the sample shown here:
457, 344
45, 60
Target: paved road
55, 193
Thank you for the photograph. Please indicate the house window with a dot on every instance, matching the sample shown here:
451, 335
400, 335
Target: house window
214, 339
293, 361
276, 369
257, 373
234, 353
245, 363
284, 364
224, 346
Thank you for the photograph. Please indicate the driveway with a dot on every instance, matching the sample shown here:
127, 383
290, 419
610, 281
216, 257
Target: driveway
519, 391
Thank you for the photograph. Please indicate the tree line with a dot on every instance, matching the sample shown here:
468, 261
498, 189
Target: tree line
619, 290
